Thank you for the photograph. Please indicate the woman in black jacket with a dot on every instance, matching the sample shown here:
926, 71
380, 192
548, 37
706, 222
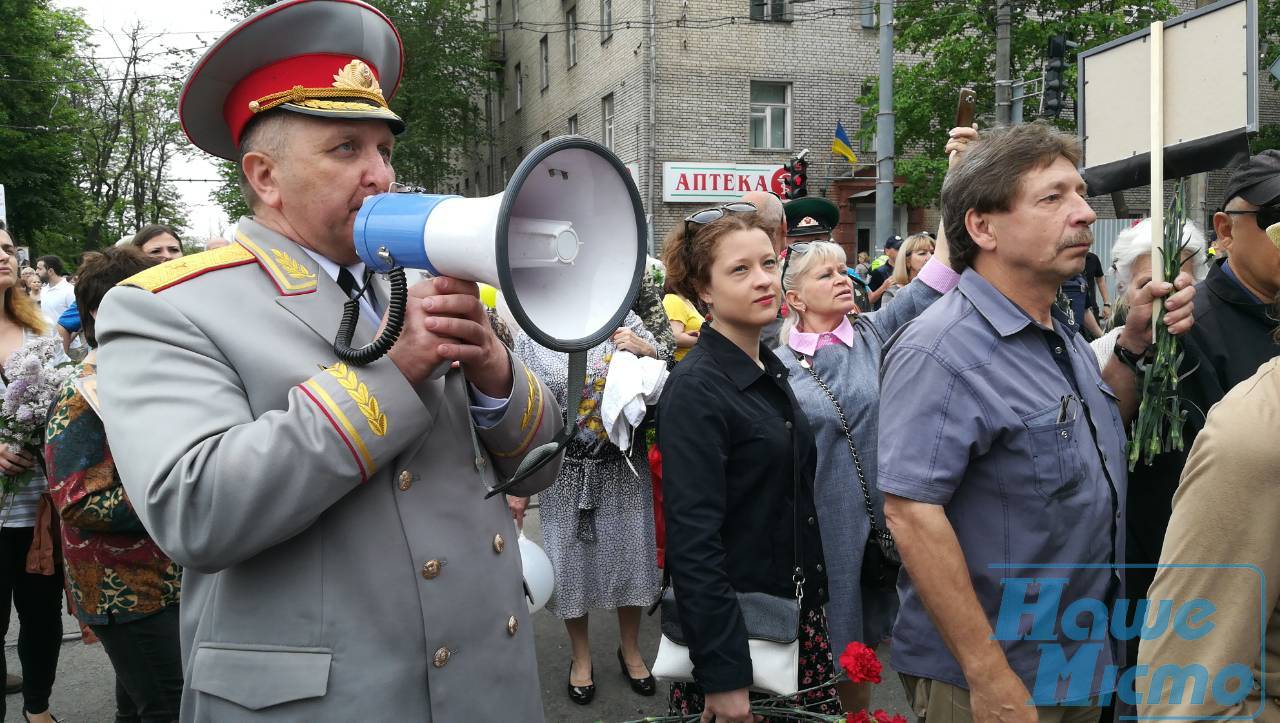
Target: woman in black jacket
735, 447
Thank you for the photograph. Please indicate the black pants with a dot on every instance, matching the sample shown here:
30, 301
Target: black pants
147, 658
39, 602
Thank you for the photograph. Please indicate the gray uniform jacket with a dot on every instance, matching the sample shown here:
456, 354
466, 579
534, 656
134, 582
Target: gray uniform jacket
341, 560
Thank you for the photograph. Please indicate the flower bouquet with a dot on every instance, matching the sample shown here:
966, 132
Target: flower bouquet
34, 379
858, 664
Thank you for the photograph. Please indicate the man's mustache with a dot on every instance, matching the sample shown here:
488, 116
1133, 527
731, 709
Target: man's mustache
1083, 237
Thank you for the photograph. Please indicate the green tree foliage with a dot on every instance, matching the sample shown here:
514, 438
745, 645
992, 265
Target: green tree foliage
957, 44
38, 153
446, 70
1269, 47
85, 144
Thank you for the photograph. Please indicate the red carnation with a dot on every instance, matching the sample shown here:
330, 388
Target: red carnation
860, 663
859, 717
882, 717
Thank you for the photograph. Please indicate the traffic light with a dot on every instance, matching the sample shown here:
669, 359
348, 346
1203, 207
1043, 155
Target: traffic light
798, 184
1055, 63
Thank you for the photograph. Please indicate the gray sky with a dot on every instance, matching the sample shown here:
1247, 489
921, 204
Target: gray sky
185, 24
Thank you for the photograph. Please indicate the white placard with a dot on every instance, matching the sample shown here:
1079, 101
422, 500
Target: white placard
691, 182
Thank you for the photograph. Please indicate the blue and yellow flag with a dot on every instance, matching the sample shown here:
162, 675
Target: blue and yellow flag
841, 145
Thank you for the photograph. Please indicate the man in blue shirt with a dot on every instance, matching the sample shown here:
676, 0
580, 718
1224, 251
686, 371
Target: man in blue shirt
1002, 448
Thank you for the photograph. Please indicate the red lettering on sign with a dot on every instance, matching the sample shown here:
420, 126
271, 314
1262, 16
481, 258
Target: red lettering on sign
759, 184
699, 181
682, 183
728, 181
744, 183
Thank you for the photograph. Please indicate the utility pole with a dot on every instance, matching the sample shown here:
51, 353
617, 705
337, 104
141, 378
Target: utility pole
1004, 104
884, 131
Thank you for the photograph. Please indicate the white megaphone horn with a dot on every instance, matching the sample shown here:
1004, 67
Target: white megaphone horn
565, 243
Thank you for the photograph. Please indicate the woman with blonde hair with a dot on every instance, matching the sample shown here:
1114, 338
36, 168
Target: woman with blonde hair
914, 254
833, 364
37, 596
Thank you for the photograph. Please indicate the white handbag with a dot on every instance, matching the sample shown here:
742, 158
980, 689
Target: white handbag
773, 625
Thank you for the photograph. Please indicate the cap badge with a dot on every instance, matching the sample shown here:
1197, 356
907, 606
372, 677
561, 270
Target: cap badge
357, 76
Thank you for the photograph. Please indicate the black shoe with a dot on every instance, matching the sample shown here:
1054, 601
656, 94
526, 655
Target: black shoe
644, 686
12, 684
580, 694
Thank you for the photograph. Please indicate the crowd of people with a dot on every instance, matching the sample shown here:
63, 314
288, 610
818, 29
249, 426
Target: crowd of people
854, 451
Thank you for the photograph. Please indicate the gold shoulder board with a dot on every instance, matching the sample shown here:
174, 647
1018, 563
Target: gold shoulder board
172, 273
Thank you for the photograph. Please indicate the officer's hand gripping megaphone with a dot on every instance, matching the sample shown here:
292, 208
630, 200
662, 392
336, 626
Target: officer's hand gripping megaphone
565, 243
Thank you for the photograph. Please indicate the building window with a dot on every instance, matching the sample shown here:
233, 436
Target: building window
770, 9
502, 169
546, 136
571, 34
770, 115
606, 115
573, 125
545, 52
515, 11
502, 34
502, 94
606, 20
519, 89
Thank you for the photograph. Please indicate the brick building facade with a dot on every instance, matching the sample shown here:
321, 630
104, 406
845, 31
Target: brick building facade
674, 86
683, 91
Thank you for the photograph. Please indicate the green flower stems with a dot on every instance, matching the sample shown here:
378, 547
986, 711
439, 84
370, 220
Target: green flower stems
1158, 426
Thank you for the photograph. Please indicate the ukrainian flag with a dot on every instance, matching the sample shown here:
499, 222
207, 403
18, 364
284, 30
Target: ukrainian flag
841, 145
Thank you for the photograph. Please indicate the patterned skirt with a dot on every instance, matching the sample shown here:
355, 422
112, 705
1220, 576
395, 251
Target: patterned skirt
816, 667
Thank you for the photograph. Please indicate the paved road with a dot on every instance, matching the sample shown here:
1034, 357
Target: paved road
85, 693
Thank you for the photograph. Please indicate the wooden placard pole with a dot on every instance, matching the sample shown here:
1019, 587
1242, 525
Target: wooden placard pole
1157, 164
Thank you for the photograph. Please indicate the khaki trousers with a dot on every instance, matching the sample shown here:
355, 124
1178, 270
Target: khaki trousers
938, 702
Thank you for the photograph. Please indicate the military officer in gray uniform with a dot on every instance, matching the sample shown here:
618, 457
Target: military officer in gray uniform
342, 562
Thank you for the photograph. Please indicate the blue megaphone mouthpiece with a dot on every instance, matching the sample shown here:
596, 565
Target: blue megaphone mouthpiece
392, 236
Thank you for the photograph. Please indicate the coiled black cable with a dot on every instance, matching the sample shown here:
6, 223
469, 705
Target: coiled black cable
377, 348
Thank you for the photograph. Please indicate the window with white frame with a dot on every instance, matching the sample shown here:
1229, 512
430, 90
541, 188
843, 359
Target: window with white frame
515, 11
606, 20
573, 125
606, 116
770, 9
770, 115
544, 51
502, 34
571, 34
519, 88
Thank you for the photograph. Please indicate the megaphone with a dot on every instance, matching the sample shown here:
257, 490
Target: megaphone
565, 242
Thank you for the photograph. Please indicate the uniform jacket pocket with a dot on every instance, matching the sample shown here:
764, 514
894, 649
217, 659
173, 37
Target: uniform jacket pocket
260, 677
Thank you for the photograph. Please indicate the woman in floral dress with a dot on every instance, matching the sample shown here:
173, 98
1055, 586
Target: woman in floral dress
597, 519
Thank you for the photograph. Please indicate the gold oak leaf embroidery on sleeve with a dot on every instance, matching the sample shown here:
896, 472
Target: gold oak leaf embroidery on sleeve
291, 267
534, 401
359, 393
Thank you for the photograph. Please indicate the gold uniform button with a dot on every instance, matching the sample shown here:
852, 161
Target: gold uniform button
441, 658
406, 480
431, 569
499, 544
512, 625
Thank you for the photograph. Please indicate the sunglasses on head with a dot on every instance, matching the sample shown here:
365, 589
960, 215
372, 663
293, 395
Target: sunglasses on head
708, 215
794, 249
1267, 216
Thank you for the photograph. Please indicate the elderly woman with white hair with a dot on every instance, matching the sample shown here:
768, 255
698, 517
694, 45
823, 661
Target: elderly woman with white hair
1131, 259
833, 364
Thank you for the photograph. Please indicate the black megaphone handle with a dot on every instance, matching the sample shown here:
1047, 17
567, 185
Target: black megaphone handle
541, 455
376, 349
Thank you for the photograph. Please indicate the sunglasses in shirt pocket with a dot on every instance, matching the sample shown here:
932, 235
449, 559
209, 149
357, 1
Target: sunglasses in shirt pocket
1055, 451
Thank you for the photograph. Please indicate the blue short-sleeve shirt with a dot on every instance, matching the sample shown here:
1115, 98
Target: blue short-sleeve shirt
1010, 428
